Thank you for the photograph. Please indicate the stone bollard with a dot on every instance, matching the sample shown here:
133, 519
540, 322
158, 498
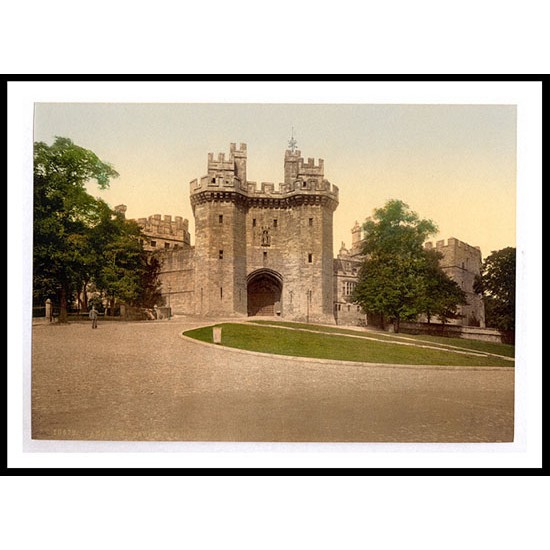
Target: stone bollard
49, 311
217, 335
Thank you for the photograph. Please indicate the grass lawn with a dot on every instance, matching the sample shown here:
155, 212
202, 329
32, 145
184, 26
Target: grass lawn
474, 345
331, 345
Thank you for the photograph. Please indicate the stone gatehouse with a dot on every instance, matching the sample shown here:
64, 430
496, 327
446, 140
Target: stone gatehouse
267, 250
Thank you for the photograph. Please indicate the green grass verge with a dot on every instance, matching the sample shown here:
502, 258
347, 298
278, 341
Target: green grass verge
254, 337
474, 345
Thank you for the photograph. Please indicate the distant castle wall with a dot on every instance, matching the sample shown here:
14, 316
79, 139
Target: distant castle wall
462, 263
254, 241
177, 277
164, 233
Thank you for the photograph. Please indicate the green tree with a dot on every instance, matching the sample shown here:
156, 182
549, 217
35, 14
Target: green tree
441, 295
497, 284
79, 240
400, 279
125, 272
63, 212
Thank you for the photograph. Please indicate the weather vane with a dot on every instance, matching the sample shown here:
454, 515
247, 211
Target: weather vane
292, 144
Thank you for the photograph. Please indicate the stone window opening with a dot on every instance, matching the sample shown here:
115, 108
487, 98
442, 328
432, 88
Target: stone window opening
310, 222
310, 258
304, 185
220, 254
348, 288
275, 223
220, 218
253, 222
166, 245
153, 243
221, 292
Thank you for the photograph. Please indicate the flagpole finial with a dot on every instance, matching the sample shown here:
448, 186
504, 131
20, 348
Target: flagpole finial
292, 144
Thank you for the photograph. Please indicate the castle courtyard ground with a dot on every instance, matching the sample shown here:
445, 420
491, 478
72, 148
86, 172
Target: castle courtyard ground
143, 381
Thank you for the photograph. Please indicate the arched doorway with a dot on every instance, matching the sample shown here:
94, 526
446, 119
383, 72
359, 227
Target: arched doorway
264, 290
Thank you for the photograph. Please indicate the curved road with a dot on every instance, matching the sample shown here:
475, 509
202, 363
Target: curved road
142, 381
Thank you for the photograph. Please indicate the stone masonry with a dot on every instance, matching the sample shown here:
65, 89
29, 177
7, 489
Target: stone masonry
266, 249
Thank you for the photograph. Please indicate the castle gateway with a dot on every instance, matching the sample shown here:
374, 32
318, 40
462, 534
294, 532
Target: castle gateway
259, 249
267, 250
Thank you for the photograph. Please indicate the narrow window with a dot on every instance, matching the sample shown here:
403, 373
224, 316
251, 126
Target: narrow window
253, 222
213, 180
304, 184
220, 254
310, 258
220, 218
153, 243
221, 292
310, 222
166, 245
274, 223
265, 255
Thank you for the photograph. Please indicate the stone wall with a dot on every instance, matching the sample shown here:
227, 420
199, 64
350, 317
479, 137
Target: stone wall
178, 280
454, 331
241, 229
164, 233
345, 273
462, 263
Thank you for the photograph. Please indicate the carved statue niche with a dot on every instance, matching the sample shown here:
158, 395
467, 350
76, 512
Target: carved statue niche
266, 239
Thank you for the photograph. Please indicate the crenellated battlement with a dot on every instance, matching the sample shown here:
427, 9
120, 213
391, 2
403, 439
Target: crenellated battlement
453, 244
230, 175
240, 152
166, 229
311, 167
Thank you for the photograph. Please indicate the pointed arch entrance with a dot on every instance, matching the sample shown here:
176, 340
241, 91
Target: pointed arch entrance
264, 291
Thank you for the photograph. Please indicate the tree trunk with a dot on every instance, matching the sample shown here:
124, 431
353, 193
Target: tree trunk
84, 298
63, 306
396, 325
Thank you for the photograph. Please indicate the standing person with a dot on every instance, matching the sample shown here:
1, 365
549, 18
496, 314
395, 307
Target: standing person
93, 316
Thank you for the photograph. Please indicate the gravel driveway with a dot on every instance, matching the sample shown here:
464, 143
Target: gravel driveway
142, 381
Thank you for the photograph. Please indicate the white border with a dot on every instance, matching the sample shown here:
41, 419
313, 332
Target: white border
526, 451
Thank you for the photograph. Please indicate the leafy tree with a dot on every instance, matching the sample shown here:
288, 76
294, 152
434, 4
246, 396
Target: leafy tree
124, 272
399, 278
497, 284
149, 293
441, 295
63, 212
79, 241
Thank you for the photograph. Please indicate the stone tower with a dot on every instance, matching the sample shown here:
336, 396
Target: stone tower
219, 202
262, 250
462, 262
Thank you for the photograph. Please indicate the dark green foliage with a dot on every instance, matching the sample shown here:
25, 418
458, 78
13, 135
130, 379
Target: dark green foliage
79, 240
63, 213
497, 284
399, 279
441, 295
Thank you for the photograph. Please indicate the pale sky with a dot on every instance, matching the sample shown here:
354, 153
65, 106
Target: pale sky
454, 164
